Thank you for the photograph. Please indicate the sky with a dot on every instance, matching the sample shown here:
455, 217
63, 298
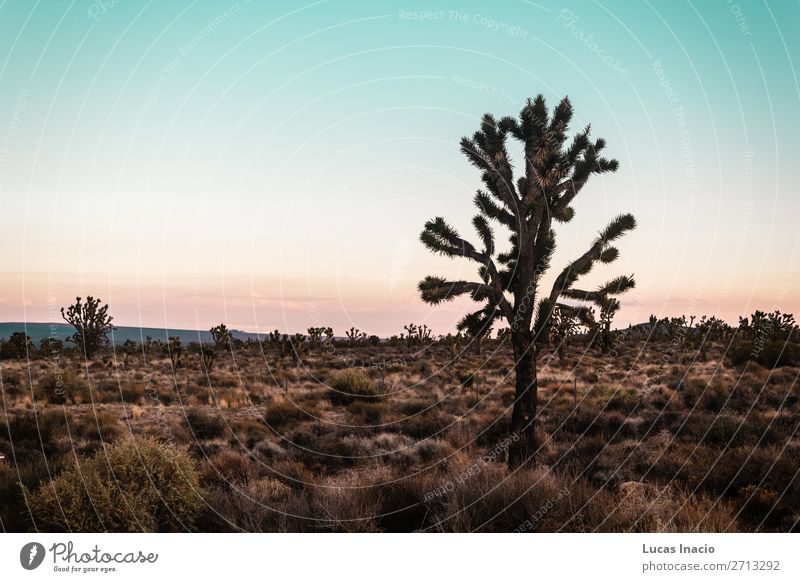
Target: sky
271, 165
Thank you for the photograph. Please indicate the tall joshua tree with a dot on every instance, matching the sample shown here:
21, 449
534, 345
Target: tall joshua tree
509, 282
91, 322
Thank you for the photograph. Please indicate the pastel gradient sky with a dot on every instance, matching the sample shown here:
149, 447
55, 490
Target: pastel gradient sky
272, 164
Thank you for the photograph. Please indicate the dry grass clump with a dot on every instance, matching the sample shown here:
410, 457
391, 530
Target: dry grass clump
62, 387
367, 413
283, 412
99, 425
347, 386
204, 424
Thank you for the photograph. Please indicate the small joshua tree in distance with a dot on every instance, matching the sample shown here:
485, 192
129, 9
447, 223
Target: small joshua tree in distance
221, 336
508, 283
91, 322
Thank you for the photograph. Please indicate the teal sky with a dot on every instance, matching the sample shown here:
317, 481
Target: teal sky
272, 164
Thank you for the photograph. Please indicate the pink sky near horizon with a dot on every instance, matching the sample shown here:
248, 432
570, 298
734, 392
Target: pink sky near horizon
294, 306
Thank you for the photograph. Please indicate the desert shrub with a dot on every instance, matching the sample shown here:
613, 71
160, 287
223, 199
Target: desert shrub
711, 396
204, 425
369, 413
133, 392
425, 425
715, 398
264, 505
414, 406
326, 450
227, 467
727, 431
773, 430
403, 501
12, 382
345, 505
14, 513
491, 429
770, 354
62, 387
37, 433
581, 455
760, 505
642, 507
220, 380
691, 390
282, 413
623, 400
485, 497
779, 354
425, 367
726, 473
592, 422
18, 346
102, 425
293, 473
350, 385
269, 449
135, 485
249, 431
410, 454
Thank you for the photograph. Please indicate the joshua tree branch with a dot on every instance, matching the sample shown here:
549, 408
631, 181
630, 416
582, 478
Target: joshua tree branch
576, 268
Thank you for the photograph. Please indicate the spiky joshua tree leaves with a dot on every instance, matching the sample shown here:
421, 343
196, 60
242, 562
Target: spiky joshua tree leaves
508, 283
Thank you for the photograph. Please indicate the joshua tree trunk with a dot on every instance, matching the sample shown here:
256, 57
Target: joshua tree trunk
523, 435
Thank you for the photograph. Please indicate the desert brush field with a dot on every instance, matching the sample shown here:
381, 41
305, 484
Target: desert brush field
671, 426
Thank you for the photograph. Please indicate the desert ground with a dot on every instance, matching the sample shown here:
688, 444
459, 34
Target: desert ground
661, 431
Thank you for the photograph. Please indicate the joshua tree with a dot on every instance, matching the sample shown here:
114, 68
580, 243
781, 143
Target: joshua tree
454, 344
418, 334
129, 348
475, 333
315, 336
508, 284
355, 336
319, 336
600, 331
286, 345
297, 348
174, 350
91, 322
411, 328
221, 336
50, 346
209, 356
19, 345
562, 328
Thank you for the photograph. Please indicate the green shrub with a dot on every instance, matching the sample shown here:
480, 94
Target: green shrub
136, 485
350, 385
63, 387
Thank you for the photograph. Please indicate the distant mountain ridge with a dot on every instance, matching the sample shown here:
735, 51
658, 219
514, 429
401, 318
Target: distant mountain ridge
63, 331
